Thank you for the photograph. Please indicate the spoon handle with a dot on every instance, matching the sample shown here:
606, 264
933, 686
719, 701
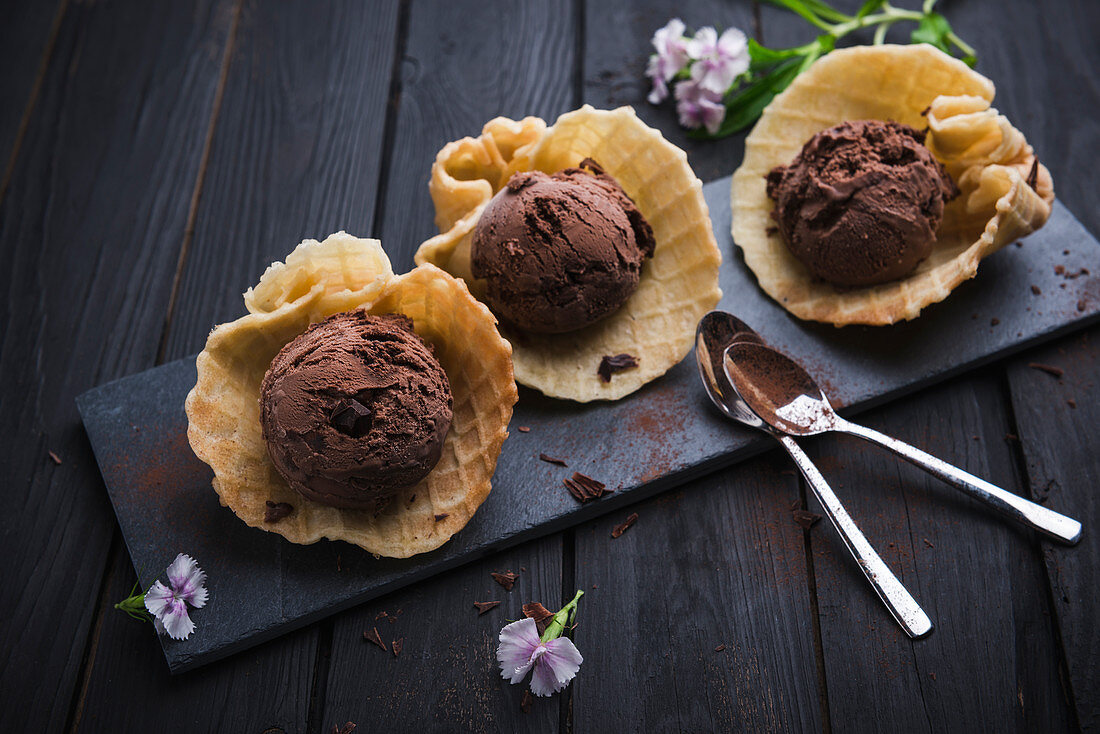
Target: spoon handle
1046, 521
895, 596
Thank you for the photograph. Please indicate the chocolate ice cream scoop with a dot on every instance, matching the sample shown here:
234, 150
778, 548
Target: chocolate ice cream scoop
861, 202
355, 409
560, 251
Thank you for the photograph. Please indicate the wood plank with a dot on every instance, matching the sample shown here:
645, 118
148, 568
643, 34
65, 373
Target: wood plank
464, 64
446, 677
27, 31
295, 153
719, 562
617, 48
90, 228
452, 82
992, 661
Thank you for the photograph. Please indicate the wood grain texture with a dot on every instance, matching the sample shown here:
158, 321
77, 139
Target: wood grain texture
296, 153
446, 677
26, 32
617, 48
992, 661
90, 229
719, 562
464, 64
1061, 446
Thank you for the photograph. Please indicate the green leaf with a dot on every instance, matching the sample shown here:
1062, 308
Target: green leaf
801, 8
932, 29
868, 7
826, 11
763, 56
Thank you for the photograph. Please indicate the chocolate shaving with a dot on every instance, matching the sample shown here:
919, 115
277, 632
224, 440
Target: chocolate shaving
374, 637
1081, 305
928, 542
994, 321
591, 165
380, 615
720, 648
1048, 368
276, 511
484, 606
1072, 403
347, 728
397, 645
442, 516
552, 460
609, 365
805, 518
624, 525
539, 613
584, 488
1033, 174
1036, 291
526, 701
524, 429
506, 579
926, 110
54, 458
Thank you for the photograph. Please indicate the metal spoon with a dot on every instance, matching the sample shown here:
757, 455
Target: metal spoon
785, 396
714, 335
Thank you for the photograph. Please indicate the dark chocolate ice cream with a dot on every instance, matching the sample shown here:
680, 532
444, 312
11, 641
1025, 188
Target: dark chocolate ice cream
861, 202
355, 409
559, 252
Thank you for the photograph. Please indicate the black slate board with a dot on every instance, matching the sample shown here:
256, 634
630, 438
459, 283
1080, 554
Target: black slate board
262, 586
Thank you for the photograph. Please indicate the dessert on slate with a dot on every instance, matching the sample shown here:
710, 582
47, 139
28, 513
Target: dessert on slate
355, 409
589, 239
352, 403
861, 201
875, 183
560, 251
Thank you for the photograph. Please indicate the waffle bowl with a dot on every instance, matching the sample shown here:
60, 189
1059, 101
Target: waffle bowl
1006, 193
678, 285
317, 280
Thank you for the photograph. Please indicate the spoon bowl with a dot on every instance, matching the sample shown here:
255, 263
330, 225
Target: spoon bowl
715, 333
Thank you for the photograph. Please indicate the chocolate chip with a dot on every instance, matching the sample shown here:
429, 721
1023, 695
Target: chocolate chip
524, 429
552, 460
397, 645
1048, 368
374, 637
276, 511
609, 365
805, 518
1081, 305
720, 648
624, 525
539, 613
1036, 291
585, 488
351, 417
54, 458
484, 606
994, 321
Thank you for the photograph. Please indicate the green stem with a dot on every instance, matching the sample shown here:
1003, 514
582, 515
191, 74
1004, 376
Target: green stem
561, 619
962, 45
889, 14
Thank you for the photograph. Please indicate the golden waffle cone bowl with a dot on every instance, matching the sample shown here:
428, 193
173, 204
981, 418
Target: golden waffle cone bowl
678, 285
987, 157
318, 280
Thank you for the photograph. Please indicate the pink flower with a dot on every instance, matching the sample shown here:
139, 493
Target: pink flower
718, 61
670, 58
168, 604
555, 661
699, 107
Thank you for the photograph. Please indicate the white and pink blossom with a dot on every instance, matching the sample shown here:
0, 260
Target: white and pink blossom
718, 61
555, 662
699, 107
168, 604
671, 57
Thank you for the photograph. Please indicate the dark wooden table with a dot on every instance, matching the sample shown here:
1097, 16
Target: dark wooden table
157, 155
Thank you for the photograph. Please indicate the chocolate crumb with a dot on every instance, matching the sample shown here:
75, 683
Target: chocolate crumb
484, 606
1011, 437
593, 586
1033, 174
994, 321
1072, 403
54, 458
374, 637
1036, 291
624, 525
609, 365
928, 543
442, 516
412, 498
1059, 269
276, 511
1081, 306
805, 518
1076, 274
720, 648
347, 728
552, 460
526, 701
925, 111
1065, 252
380, 615
932, 676
506, 579
539, 613
524, 429
771, 230
397, 645
1048, 368
523, 569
